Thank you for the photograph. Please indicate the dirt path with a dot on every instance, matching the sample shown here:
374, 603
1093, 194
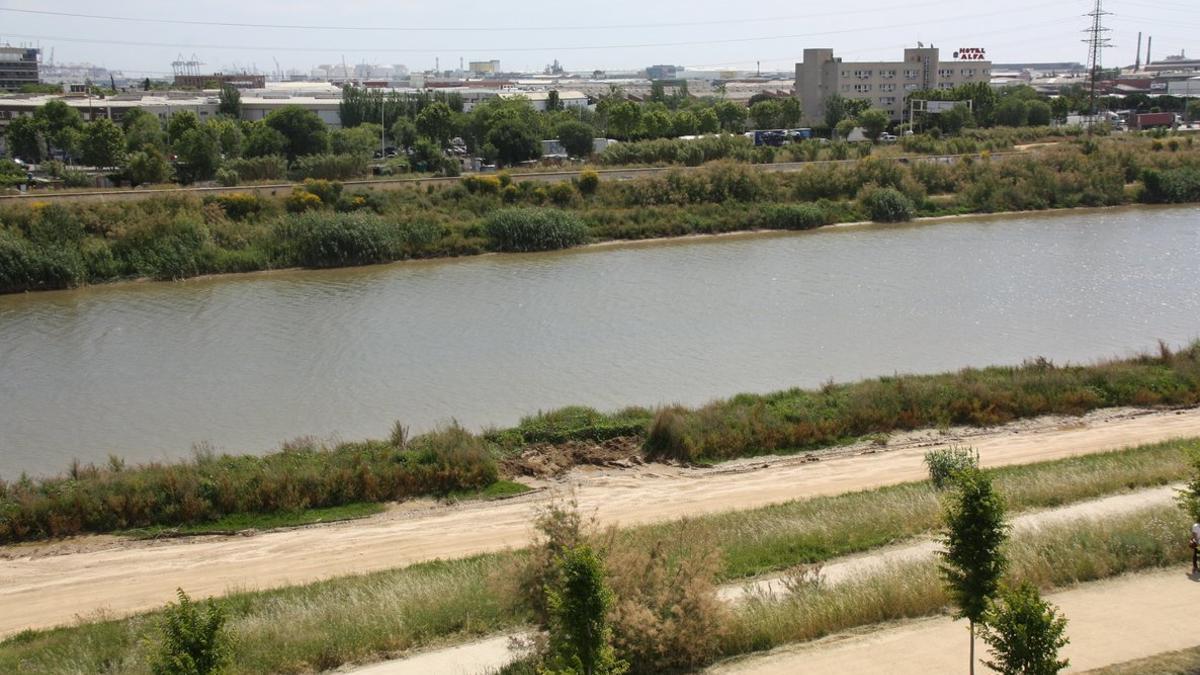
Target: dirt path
42, 586
490, 654
1109, 622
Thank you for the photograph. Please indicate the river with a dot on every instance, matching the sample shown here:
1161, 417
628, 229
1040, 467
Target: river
242, 363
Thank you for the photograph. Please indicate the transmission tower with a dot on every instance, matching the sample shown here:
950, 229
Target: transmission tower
1096, 41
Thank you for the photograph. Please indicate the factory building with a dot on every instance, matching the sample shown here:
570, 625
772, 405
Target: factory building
18, 67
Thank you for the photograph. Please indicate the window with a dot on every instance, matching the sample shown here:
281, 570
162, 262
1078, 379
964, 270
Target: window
845, 87
945, 72
887, 101
911, 87
887, 87
845, 73
863, 74
967, 72
945, 85
860, 88
887, 74
911, 74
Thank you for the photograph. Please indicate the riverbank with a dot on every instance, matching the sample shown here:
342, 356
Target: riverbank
321, 224
308, 475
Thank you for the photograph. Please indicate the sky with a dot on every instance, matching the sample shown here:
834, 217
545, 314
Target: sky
582, 36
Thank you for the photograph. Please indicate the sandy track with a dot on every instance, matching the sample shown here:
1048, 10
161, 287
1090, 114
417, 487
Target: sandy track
40, 590
1110, 622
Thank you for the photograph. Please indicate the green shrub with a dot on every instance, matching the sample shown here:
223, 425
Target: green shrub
329, 167
579, 601
166, 249
945, 463
324, 239
76, 179
240, 205
192, 640
328, 191
487, 185
1170, 185
518, 229
267, 167
792, 217
301, 200
589, 182
227, 177
1024, 633
562, 193
886, 205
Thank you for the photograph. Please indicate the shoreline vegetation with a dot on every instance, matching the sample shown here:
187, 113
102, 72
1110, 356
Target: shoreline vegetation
323, 224
452, 461
357, 618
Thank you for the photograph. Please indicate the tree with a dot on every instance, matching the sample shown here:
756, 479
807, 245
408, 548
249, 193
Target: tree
142, 131
103, 144
305, 132
576, 138
1012, 112
61, 126
835, 110
973, 562
552, 101
228, 134
24, 139
578, 602
874, 122
656, 123
707, 121
427, 155
1060, 107
624, 118
515, 142
404, 133
263, 141
436, 122
179, 123
684, 123
1039, 113
955, 119
731, 116
362, 140
766, 114
199, 156
1025, 633
1193, 111
790, 112
844, 127
230, 103
192, 641
147, 166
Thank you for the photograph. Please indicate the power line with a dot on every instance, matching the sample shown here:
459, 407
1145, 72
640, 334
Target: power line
493, 50
1096, 41
236, 24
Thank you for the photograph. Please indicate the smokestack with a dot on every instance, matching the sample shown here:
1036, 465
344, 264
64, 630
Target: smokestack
1137, 64
1149, 41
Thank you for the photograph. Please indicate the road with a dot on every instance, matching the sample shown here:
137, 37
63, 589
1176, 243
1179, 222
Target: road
45, 585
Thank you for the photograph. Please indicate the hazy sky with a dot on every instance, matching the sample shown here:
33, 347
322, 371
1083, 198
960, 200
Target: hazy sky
609, 34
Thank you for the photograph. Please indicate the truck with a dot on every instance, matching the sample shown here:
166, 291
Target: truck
1152, 120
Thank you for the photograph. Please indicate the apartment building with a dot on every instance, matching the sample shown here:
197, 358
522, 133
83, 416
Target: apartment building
884, 83
18, 67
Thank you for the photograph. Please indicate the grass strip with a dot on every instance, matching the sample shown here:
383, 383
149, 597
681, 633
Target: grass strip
322, 625
240, 522
1182, 662
1050, 557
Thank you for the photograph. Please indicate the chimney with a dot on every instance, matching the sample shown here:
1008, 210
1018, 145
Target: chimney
1137, 64
1149, 41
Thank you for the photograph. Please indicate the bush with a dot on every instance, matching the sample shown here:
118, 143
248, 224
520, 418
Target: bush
301, 200
886, 205
578, 600
167, 249
240, 205
792, 217
589, 182
77, 179
329, 167
945, 463
323, 239
267, 167
1170, 185
562, 194
485, 185
534, 229
192, 641
227, 177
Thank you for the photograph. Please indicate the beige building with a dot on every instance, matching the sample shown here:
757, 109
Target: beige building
883, 83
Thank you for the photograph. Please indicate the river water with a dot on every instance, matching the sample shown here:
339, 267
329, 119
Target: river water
242, 363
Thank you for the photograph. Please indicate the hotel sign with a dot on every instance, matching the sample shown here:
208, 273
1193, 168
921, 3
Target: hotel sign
970, 54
